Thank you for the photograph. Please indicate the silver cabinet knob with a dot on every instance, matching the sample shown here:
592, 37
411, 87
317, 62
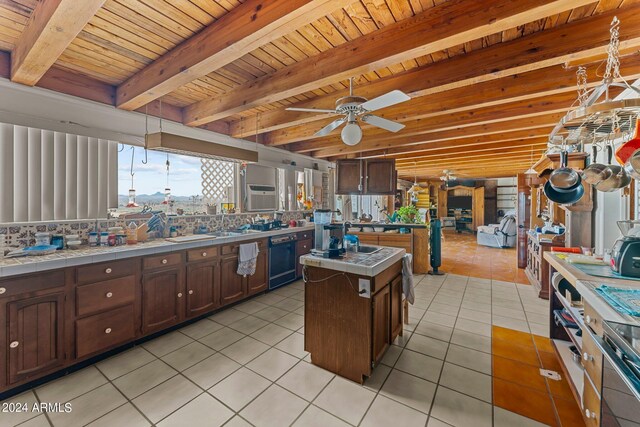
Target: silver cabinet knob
14, 344
3, 290
204, 254
179, 294
587, 319
107, 331
164, 261
109, 294
587, 357
190, 291
108, 270
589, 414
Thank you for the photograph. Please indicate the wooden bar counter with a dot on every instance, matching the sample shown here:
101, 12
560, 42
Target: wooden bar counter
353, 310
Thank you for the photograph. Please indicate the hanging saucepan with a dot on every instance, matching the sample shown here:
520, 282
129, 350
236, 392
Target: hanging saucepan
563, 197
632, 167
595, 172
564, 179
619, 177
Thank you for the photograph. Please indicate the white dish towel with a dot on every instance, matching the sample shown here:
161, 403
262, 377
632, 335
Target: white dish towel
248, 255
407, 278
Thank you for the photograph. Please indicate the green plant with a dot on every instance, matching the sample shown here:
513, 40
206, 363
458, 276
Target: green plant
408, 214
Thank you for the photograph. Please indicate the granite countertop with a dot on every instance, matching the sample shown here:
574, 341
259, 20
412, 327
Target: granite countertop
358, 263
89, 255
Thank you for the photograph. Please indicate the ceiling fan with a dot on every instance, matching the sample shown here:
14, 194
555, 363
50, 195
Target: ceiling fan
356, 107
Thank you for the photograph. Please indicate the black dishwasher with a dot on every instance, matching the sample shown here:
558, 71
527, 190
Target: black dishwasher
282, 260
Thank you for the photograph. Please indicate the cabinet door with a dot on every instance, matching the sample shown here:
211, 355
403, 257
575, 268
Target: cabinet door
259, 281
478, 208
232, 285
396, 307
381, 323
303, 247
162, 299
203, 287
35, 341
380, 176
349, 177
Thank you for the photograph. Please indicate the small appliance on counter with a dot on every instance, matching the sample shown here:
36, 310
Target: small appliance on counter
625, 254
329, 237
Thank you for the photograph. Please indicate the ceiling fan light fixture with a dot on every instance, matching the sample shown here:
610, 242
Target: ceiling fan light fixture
351, 133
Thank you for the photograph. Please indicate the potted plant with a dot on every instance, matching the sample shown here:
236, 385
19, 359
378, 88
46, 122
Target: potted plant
407, 214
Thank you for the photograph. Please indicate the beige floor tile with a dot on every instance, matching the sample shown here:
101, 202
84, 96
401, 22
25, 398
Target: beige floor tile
13, 418
211, 370
237, 421
250, 307
468, 358
287, 291
420, 365
441, 319
504, 418
124, 363
71, 386
294, 345
433, 330
39, 421
538, 318
316, 417
203, 411
125, 415
305, 380
201, 328
272, 364
167, 343
289, 304
228, 316
412, 391
391, 356
221, 338
89, 407
385, 412
269, 299
291, 321
429, 346
474, 315
248, 325
402, 340
434, 422
460, 410
509, 323
142, 379
245, 350
538, 329
271, 334
239, 388
467, 381
475, 305
512, 313
470, 340
271, 314
474, 327
345, 399
188, 355
275, 407
162, 400
377, 378
441, 308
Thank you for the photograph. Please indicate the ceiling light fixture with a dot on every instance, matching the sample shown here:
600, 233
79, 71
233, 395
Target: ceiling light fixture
351, 133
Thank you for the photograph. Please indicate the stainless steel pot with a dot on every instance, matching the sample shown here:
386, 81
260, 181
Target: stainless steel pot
619, 177
632, 166
596, 172
564, 179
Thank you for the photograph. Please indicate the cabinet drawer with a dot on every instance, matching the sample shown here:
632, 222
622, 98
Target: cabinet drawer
592, 319
368, 240
161, 261
30, 283
106, 271
105, 295
592, 360
202, 254
591, 407
102, 331
234, 247
303, 247
304, 235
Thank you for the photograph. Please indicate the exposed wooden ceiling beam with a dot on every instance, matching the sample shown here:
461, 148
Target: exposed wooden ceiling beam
52, 26
477, 161
547, 122
245, 28
458, 153
494, 62
485, 170
445, 25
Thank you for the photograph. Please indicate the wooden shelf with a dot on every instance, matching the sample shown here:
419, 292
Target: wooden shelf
573, 371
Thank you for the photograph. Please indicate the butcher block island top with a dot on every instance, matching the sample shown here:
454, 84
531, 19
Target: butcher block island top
353, 310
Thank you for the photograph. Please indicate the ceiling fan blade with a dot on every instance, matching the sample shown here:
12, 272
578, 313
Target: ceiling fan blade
388, 99
385, 124
330, 127
312, 110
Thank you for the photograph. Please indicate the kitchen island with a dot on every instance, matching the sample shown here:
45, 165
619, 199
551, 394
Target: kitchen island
353, 309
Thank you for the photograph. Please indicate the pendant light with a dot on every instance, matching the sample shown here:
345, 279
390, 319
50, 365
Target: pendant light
132, 191
415, 188
167, 190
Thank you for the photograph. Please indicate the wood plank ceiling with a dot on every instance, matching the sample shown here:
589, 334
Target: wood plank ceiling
488, 78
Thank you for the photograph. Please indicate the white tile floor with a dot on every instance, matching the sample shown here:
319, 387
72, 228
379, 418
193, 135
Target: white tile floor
247, 366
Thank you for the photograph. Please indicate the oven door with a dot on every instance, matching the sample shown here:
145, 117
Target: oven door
620, 390
282, 264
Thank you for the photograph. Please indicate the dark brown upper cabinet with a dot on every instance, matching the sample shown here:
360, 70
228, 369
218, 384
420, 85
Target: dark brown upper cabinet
373, 177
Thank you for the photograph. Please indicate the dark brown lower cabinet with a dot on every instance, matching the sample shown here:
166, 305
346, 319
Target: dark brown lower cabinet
260, 280
381, 323
396, 307
203, 287
35, 336
232, 285
162, 299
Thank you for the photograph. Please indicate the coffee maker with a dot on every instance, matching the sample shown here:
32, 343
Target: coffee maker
329, 238
625, 254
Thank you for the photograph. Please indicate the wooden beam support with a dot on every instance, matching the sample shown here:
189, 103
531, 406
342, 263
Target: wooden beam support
52, 26
445, 25
245, 28
453, 153
584, 38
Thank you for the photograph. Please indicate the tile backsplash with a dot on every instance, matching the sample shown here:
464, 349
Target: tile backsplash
23, 234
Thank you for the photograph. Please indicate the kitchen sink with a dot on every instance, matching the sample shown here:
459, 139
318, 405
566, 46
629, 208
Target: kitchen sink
225, 234
366, 249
